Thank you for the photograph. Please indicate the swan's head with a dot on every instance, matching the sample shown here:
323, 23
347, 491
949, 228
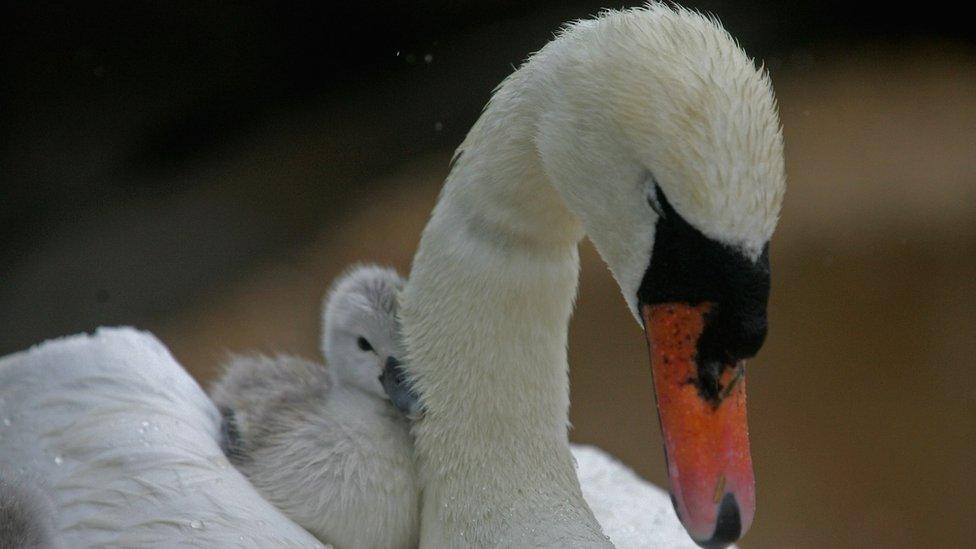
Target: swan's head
663, 138
360, 330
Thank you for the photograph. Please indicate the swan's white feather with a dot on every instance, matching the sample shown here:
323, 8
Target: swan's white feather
127, 442
634, 513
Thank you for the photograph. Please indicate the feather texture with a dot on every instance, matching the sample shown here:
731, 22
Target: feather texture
128, 444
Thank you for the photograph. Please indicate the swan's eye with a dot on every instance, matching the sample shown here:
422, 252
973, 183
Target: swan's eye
654, 195
655, 206
363, 344
655, 202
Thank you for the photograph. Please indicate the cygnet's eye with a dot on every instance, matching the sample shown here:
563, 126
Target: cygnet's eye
363, 344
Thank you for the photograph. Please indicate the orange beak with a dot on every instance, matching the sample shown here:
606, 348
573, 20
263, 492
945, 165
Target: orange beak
702, 410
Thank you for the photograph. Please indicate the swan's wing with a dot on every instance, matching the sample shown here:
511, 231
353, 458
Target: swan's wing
127, 442
633, 512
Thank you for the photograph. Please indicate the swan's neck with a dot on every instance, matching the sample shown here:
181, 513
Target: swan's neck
485, 315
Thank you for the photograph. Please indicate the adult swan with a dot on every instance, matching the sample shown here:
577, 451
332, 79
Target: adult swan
650, 132
647, 130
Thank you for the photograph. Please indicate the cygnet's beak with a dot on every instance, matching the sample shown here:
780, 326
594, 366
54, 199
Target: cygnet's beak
401, 394
702, 410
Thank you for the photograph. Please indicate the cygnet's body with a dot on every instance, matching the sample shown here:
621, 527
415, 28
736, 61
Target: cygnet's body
324, 444
26, 515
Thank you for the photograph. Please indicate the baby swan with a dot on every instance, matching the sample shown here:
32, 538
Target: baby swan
324, 444
26, 516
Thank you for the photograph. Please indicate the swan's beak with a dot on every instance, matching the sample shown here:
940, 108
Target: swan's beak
702, 410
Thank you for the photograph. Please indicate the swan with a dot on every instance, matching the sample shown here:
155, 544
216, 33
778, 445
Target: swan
650, 132
324, 444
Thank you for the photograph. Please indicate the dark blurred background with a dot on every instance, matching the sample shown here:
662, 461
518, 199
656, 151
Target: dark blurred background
204, 170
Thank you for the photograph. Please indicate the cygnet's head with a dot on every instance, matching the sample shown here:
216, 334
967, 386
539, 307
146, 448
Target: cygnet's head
360, 330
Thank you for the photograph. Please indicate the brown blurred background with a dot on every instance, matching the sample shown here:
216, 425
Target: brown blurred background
204, 171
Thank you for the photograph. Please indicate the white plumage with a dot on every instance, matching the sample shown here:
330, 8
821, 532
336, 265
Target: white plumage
633, 513
128, 445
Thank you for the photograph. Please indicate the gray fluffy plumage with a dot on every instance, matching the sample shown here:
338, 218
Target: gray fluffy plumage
26, 516
322, 442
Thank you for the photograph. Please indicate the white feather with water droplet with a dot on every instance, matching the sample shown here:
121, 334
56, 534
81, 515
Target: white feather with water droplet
111, 484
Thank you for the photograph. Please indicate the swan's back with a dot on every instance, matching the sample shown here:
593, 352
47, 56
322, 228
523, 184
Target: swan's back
634, 513
127, 443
